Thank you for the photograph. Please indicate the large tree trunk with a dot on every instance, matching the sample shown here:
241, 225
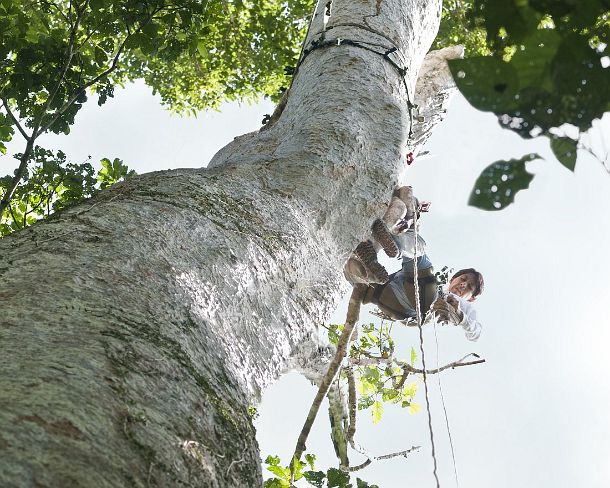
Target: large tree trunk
137, 328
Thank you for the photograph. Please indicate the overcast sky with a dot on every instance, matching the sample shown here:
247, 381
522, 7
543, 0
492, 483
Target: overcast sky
536, 413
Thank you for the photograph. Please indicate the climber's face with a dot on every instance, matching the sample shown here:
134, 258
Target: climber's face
463, 286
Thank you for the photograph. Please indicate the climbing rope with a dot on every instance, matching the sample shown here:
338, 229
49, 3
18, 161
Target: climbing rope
440, 389
421, 347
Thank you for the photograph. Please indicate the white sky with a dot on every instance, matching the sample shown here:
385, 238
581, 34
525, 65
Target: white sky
536, 413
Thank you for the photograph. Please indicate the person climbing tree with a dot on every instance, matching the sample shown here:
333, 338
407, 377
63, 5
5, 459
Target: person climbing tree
396, 298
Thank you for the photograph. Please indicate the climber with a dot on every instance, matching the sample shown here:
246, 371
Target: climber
396, 297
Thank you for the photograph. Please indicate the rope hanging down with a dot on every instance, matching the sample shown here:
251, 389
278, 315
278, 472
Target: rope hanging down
323, 44
421, 346
440, 389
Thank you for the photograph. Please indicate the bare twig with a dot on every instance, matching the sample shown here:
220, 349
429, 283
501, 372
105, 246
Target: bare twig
404, 454
603, 161
237, 461
407, 368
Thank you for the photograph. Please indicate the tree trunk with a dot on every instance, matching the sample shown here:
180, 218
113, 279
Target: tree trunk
138, 327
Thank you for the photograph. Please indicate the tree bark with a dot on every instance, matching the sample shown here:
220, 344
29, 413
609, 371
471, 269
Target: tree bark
138, 327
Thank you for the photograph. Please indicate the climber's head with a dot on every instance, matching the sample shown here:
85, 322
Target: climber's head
466, 283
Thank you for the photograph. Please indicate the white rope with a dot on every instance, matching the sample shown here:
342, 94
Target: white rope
440, 389
421, 346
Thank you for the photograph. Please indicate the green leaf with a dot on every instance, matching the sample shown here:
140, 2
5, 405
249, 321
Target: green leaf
564, 149
311, 459
376, 411
365, 402
413, 356
276, 483
337, 479
533, 59
389, 394
202, 49
272, 460
414, 408
488, 83
282, 473
315, 478
498, 184
363, 484
409, 390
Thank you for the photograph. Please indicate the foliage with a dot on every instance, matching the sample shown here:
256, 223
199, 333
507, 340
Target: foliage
52, 183
495, 188
548, 66
383, 381
332, 478
454, 16
194, 54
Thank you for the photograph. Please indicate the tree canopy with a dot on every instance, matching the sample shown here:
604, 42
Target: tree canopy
543, 72
56, 54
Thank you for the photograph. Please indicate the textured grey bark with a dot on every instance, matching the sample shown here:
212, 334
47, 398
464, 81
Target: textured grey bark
138, 327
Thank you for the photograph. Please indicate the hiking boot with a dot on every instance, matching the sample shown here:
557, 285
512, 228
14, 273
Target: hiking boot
376, 273
384, 237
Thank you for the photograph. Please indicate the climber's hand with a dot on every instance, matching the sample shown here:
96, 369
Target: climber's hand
403, 225
447, 311
424, 207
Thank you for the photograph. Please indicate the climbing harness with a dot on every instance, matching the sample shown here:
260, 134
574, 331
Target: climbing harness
402, 71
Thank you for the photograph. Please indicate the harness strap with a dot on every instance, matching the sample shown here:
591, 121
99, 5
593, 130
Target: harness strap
422, 282
378, 289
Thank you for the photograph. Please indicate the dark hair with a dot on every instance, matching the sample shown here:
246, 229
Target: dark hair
478, 277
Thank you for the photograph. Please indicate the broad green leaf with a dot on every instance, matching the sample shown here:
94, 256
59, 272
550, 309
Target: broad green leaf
365, 387
282, 473
488, 83
498, 184
371, 374
365, 402
276, 483
564, 149
533, 59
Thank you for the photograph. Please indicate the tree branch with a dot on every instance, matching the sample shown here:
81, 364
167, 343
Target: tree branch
115, 62
353, 313
407, 368
601, 160
62, 74
404, 454
25, 158
14, 119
